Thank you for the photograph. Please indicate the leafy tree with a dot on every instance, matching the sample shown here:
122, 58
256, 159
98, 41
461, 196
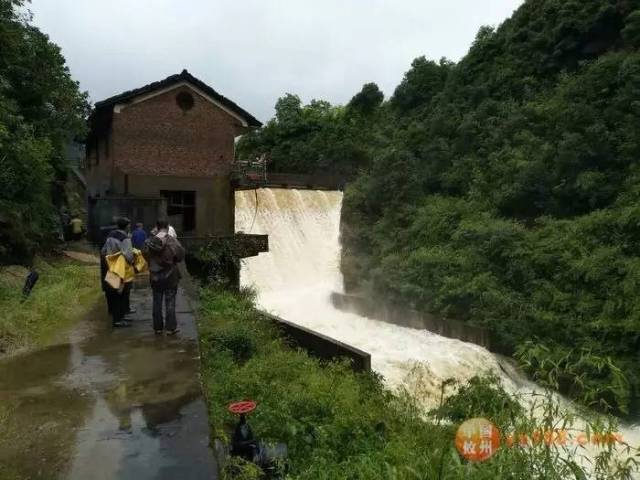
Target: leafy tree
420, 84
316, 137
631, 31
41, 110
367, 100
288, 108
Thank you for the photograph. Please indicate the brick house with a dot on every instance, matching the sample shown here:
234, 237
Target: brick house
171, 140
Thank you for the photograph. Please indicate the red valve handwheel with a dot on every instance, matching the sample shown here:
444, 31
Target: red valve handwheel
239, 408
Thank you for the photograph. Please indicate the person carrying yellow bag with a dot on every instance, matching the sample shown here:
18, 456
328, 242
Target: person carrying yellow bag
118, 250
120, 271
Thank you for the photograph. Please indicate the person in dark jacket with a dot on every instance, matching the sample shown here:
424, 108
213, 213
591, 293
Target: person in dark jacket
117, 301
164, 252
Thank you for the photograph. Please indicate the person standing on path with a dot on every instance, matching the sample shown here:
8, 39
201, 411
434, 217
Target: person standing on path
76, 228
138, 236
118, 241
164, 252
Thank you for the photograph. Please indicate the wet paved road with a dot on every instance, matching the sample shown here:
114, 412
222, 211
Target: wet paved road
122, 404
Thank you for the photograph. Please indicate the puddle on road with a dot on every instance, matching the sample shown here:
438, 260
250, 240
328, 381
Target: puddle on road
116, 404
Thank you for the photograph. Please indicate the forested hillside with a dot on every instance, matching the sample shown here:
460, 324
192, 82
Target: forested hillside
41, 111
502, 190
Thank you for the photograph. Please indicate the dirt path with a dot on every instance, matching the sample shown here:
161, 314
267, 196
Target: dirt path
83, 257
122, 404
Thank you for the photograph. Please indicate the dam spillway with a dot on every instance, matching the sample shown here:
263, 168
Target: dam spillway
295, 279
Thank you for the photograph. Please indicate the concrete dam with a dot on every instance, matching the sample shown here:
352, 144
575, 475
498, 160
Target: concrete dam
296, 278
299, 275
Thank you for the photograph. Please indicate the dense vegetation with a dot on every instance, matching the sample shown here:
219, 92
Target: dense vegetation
339, 425
41, 111
317, 137
42, 317
503, 190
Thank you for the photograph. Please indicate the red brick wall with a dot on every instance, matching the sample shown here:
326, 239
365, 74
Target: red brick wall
156, 137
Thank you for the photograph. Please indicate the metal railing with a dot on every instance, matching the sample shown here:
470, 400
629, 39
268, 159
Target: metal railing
251, 171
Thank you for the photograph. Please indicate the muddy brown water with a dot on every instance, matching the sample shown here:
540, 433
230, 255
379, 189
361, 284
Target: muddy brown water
109, 404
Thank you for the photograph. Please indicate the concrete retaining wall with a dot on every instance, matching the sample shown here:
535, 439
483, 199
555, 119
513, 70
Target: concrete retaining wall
412, 319
319, 345
314, 181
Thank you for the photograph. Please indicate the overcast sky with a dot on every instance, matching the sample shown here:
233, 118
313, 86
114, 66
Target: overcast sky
253, 51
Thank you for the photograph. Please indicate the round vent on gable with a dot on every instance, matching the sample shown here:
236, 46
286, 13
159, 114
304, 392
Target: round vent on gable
185, 101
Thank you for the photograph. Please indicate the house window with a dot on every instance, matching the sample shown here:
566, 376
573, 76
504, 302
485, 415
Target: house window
181, 209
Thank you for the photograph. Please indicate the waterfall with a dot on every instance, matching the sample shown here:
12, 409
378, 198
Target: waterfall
295, 278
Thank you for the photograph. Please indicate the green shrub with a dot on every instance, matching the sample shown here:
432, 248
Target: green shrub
342, 425
481, 397
594, 380
237, 340
240, 469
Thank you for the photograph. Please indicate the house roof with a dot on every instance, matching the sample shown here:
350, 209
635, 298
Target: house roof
185, 76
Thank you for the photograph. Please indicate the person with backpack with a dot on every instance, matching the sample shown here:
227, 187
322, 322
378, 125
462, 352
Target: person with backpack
164, 252
117, 241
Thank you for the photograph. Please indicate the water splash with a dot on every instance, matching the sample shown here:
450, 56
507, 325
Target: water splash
296, 277
295, 280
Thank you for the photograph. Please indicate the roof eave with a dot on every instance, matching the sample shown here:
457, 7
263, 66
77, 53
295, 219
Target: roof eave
185, 76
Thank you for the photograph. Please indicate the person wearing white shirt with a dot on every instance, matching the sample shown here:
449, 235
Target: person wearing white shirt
170, 231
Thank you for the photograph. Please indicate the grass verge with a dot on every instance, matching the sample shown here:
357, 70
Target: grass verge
341, 425
64, 292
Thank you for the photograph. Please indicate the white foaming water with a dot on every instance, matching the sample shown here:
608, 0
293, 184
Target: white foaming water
295, 278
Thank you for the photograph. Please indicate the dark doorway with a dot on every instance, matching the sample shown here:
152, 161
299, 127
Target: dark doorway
181, 209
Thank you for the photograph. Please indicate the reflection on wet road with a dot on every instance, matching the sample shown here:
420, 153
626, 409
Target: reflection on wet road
123, 404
